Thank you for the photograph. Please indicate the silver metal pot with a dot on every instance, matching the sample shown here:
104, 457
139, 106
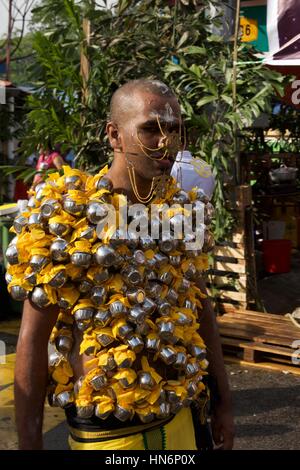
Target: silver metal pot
283, 174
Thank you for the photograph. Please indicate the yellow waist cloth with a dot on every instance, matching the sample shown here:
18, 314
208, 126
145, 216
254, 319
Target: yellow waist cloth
178, 434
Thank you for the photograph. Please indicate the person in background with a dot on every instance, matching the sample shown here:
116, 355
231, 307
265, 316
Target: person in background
48, 158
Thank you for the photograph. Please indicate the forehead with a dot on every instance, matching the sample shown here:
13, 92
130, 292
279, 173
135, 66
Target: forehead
151, 106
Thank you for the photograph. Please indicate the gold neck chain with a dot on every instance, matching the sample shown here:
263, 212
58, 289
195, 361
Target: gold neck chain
143, 200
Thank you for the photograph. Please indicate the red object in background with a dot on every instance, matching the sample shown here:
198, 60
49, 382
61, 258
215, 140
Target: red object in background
277, 256
21, 190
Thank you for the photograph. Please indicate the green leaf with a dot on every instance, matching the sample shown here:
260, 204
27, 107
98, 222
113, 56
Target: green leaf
205, 100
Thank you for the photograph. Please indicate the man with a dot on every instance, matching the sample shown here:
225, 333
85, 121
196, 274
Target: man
143, 131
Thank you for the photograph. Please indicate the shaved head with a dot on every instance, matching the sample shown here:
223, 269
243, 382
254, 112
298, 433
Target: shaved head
123, 100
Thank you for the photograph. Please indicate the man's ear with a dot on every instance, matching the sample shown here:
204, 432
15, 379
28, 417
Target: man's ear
113, 134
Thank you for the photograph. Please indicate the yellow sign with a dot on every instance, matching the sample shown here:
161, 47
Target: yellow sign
249, 29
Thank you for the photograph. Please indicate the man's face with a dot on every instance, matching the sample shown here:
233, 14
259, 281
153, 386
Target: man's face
151, 136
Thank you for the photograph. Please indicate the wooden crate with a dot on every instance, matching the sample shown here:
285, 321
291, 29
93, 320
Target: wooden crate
260, 339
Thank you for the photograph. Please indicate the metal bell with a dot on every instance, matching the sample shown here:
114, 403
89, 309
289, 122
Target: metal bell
117, 308
192, 389
32, 203
49, 207
167, 244
160, 260
164, 411
152, 343
98, 295
132, 276
172, 396
78, 384
98, 381
122, 414
154, 290
73, 182
37, 262
88, 233
64, 344
183, 319
136, 343
125, 384
59, 279
54, 358
101, 275
191, 272
172, 296
58, 250
181, 360
150, 275
105, 340
149, 306
102, 318
85, 313
126, 363
137, 315
72, 207
85, 412
197, 352
8, 277
192, 368
105, 183
166, 330
184, 286
135, 296
124, 331
146, 381
81, 259
111, 365
18, 293
146, 418
58, 229
82, 326
190, 305
175, 260
162, 397
105, 256
12, 255
101, 415
19, 223
96, 211
168, 355
142, 329
40, 298
64, 399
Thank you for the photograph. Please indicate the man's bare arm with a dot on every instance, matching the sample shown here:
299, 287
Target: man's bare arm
31, 373
222, 419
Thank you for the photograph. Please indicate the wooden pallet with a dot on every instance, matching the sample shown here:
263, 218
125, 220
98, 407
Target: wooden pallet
260, 339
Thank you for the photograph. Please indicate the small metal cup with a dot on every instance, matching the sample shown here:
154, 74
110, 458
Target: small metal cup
64, 344
132, 276
49, 207
136, 343
137, 315
98, 382
59, 279
146, 418
105, 256
102, 318
101, 276
54, 358
146, 381
166, 330
175, 260
126, 363
181, 360
85, 286
34, 219
58, 229
40, 298
64, 399
37, 262
183, 319
149, 306
172, 296
12, 255
72, 207
98, 295
139, 257
150, 275
117, 308
19, 223
19, 293
172, 396
192, 389
191, 369
125, 384
152, 343
122, 414
142, 329
32, 203
105, 183
96, 211
8, 278
105, 340
73, 182
184, 286
135, 296
124, 331
191, 272
81, 259
85, 313
168, 355
110, 364
164, 411
88, 233
154, 290
190, 305
160, 260
167, 245
163, 307
197, 352
58, 250
85, 412
166, 278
